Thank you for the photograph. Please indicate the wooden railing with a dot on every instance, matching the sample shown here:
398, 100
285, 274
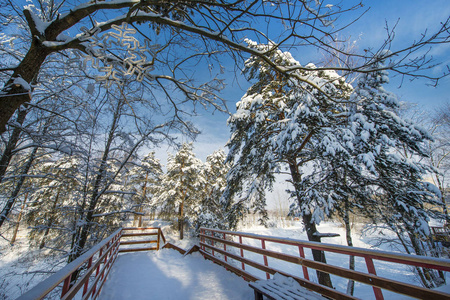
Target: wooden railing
229, 244
135, 232
93, 266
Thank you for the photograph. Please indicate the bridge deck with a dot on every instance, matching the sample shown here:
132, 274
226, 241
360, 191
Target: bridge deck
166, 274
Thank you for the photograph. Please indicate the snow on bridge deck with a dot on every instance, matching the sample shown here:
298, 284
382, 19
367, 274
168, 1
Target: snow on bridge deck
166, 274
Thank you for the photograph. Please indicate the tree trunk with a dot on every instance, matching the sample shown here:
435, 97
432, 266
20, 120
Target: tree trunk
82, 234
348, 235
16, 229
12, 142
10, 203
15, 95
181, 220
310, 227
50, 219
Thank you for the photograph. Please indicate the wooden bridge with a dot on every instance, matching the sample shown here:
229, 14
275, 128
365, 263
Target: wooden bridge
244, 254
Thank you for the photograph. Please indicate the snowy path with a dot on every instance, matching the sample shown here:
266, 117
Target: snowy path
166, 274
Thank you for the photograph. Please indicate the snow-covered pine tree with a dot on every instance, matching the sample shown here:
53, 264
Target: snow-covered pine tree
212, 213
52, 205
145, 179
391, 151
280, 124
182, 186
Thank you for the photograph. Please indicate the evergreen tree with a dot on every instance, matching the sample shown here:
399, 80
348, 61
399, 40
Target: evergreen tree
182, 186
51, 207
212, 213
145, 179
283, 123
391, 151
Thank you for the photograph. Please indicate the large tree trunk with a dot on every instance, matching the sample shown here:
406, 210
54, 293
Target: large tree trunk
310, 227
12, 142
15, 94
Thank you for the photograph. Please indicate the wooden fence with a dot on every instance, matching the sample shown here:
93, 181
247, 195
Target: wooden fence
94, 265
229, 244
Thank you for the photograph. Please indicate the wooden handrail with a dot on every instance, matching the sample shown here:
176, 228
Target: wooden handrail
105, 253
46, 286
219, 236
421, 261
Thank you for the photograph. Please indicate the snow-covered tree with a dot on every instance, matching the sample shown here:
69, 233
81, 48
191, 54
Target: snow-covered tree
51, 210
440, 154
194, 30
182, 186
284, 123
391, 151
212, 214
145, 179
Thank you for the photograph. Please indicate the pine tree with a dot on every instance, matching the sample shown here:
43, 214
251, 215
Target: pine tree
391, 151
212, 213
182, 186
281, 123
145, 180
51, 206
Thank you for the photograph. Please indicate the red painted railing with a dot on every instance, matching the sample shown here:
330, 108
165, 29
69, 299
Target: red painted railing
218, 244
93, 266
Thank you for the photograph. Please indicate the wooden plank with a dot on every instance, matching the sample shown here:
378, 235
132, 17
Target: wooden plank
137, 249
274, 254
139, 234
80, 282
93, 288
229, 267
174, 247
303, 282
373, 280
139, 228
193, 249
137, 242
44, 287
103, 281
421, 261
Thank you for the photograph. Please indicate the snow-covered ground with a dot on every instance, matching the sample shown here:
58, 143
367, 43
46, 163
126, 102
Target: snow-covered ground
168, 275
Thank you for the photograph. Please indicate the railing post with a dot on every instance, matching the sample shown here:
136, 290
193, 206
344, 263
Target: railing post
202, 239
371, 268
225, 246
212, 241
66, 285
87, 281
97, 271
159, 234
242, 252
305, 269
266, 263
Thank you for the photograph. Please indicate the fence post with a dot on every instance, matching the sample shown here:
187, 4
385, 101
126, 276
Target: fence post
305, 269
87, 281
266, 263
225, 246
157, 242
242, 252
66, 285
371, 268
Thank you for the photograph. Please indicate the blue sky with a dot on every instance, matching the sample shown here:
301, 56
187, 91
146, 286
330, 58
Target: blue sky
414, 17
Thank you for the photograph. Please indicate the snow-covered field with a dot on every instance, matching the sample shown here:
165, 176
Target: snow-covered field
168, 275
